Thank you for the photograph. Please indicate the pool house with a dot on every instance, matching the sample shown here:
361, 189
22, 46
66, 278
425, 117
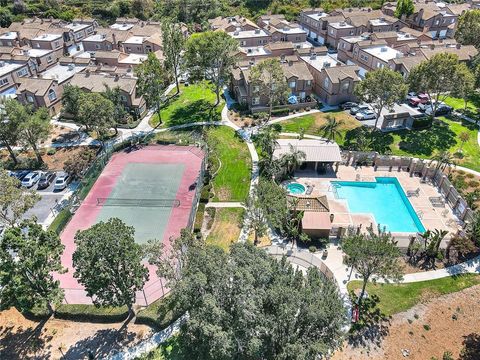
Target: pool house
321, 156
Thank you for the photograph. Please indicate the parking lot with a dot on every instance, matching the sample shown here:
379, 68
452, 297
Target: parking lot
50, 203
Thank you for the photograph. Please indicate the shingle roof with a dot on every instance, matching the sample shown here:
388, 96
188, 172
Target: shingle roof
96, 82
338, 73
309, 203
464, 53
297, 69
36, 86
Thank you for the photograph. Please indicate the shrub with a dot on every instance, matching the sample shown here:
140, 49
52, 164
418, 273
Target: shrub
60, 221
307, 108
422, 123
211, 213
312, 249
469, 176
51, 151
205, 194
426, 327
461, 172
473, 183
199, 218
280, 112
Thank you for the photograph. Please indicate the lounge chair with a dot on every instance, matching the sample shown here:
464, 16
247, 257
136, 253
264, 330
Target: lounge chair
413, 192
437, 201
309, 190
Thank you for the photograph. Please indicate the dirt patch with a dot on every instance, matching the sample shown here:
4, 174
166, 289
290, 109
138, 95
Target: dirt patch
224, 194
21, 338
446, 323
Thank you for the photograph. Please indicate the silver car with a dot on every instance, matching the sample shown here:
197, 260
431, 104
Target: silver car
61, 182
31, 179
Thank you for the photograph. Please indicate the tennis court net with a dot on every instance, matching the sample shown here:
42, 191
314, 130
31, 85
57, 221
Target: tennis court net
138, 202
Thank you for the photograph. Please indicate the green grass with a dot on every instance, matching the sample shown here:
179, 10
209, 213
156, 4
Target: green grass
226, 227
443, 135
231, 181
193, 104
395, 298
459, 104
60, 221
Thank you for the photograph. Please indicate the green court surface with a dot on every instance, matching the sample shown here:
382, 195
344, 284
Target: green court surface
143, 197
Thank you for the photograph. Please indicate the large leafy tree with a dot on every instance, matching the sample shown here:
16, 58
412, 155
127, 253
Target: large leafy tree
266, 140
465, 83
268, 75
152, 82
14, 201
71, 101
211, 55
119, 108
173, 45
382, 89
255, 217
373, 255
29, 256
404, 8
468, 28
108, 263
436, 77
10, 125
247, 305
35, 130
273, 201
96, 113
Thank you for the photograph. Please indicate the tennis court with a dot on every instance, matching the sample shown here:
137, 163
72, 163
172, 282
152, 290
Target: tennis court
152, 189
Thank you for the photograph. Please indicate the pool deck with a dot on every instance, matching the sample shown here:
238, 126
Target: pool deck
441, 218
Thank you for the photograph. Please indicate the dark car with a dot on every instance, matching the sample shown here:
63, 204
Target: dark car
20, 174
45, 180
348, 105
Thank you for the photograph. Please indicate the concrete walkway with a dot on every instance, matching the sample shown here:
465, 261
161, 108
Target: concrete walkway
225, 204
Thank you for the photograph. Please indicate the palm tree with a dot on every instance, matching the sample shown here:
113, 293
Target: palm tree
464, 137
293, 159
443, 159
330, 130
471, 198
266, 139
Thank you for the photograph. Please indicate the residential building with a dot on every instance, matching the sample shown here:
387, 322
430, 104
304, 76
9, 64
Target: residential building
46, 41
336, 84
232, 23
283, 30
43, 58
40, 93
297, 76
94, 82
251, 38
10, 75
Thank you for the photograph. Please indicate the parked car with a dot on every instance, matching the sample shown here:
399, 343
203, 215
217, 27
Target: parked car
442, 109
62, 182
20, 174
365, 115
348, 105
417, 100
429, 105
359, 108
411, 95
31, 179
45, 180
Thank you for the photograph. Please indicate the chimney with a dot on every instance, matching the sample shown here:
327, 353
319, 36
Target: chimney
432, 46
114, 38
290, 62
459, 46
117, 77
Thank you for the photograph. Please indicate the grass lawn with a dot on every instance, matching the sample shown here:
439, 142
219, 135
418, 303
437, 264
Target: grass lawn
226, 227
193, 104
459, 104
443, 135
395, 298
232, 164
311, 123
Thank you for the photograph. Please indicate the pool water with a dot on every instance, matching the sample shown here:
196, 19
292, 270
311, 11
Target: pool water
385, 199
296, 189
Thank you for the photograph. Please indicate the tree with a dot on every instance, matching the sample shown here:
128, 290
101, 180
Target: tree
11, 116
436, 77
462, 246
468, 28
471, 198
119, 108
465, 83
273, 201
36, 129
76, 165
108, 263
442, 160
96, 113
432, 241
152, 83
330, 130
266, 140
71, 101
29, 256
382, 89
292, 160
5, 17
405, 8
373, 255
211, 55
463, 137
254, 216
473, 228
14, 201
173, 45
141, 8
247, 305
268, 75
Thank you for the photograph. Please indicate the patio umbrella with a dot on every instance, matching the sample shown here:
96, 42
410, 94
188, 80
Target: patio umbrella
292, 99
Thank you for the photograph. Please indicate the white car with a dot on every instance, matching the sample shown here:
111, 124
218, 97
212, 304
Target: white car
31, 179
428, 105
365, 115
61, 182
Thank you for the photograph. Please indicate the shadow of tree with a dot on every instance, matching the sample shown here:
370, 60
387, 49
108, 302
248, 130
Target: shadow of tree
365, 139
200, 110
99, 345
424, 142
25, 343
372, 326
471, 347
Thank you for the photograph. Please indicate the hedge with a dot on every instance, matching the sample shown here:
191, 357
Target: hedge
280, 112
422, 123
60, 221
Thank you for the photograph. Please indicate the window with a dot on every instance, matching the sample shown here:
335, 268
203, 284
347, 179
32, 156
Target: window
49, 59
37, 45
57, 44
89, 30
9, 43
243, 43
52, 95
78, 36
3, 81
345, 86
30, 98
343, 45
364, 57
22, 72
255, 101
326, 82
452, 21
437, 22
292, 84
256, 88
332, 32
309, 82
97, 46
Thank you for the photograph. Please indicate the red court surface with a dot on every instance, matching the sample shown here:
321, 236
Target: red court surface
88, 211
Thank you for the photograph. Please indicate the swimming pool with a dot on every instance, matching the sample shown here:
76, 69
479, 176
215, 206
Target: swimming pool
296, 189
385, 199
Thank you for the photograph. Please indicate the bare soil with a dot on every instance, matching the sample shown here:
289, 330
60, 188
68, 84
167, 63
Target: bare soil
447, 323
21, 338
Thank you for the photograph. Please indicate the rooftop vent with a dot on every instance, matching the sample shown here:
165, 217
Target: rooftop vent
326, 64
343, 23
384, 49
257, 31
236, 33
